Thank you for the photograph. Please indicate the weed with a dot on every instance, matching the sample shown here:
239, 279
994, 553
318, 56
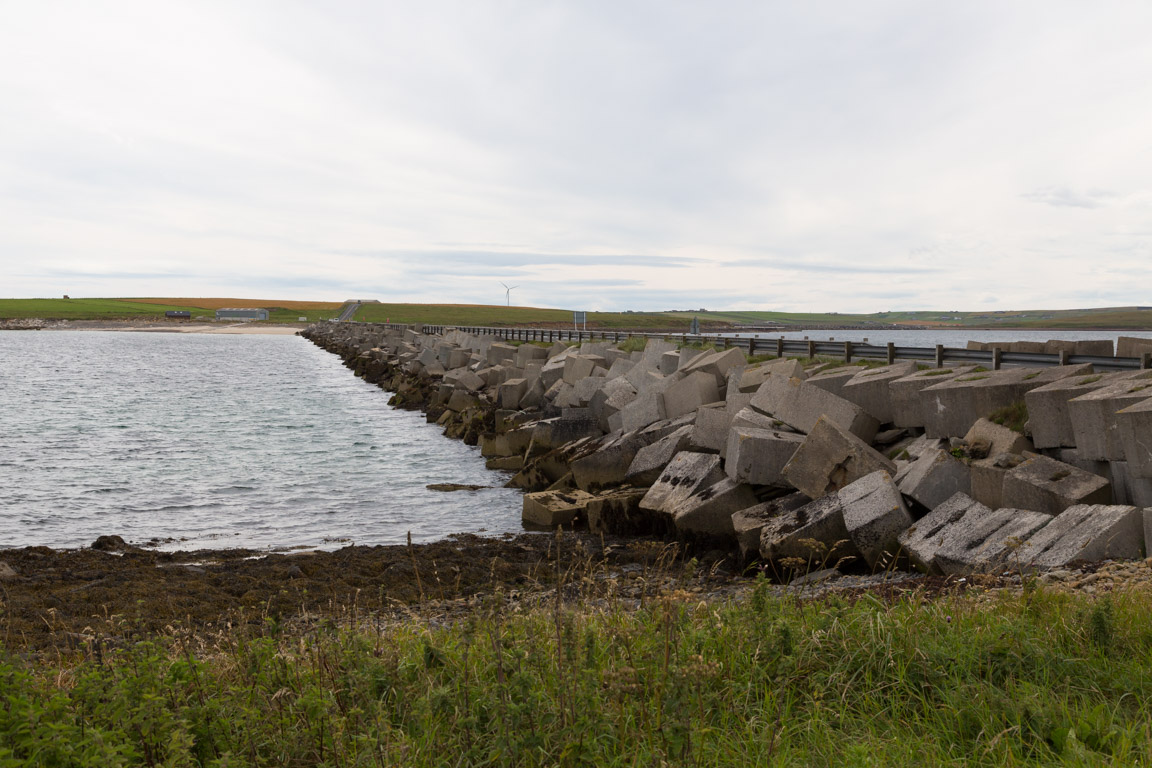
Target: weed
1014, 416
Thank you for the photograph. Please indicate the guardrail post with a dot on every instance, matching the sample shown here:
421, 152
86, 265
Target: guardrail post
891, 352
811, 349
780, 347
1146, 360
727, 342
1063, 357
997, 357
751, 347
939, 355
684, 340
847, 351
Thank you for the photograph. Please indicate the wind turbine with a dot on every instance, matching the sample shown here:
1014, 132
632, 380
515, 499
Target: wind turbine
508, 292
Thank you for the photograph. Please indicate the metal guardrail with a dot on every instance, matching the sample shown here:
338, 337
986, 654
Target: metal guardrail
846, 350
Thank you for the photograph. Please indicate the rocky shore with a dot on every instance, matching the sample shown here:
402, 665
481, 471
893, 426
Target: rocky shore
795, 465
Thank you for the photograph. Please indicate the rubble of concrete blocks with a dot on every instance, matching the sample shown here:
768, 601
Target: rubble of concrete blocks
793, 463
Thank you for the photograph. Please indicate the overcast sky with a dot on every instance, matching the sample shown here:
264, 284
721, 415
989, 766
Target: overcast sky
839, 156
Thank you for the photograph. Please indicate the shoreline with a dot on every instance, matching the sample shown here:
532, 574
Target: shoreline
177, 326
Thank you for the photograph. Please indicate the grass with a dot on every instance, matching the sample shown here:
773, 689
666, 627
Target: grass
976, 680
1013, 416
498, 316
128, 309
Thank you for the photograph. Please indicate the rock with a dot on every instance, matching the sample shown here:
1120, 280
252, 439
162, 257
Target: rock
830, 458
758, 456
448, 487
1091, 532
934, 477
7, 572
550, 509
995, 439
982, 543
801, 405
870, 389
814, 533
1046, 485
923, 539
874, 515
618, 513
111, 544
748, 523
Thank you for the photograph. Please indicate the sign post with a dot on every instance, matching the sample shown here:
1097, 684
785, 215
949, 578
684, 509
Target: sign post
578, 319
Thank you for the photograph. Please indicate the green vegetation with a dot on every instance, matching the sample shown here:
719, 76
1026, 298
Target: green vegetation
499, 317
89, 309
1013, 416
979, 679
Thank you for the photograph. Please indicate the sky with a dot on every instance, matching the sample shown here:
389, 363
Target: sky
819, 156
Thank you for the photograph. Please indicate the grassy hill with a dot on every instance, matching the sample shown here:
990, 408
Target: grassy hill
282, 311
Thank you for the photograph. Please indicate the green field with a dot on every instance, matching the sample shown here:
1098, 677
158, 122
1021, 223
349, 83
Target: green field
1118, 318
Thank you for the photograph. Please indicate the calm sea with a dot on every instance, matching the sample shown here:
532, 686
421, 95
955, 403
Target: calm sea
194, 441
947, 337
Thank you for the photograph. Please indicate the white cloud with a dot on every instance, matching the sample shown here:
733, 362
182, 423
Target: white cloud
602, 155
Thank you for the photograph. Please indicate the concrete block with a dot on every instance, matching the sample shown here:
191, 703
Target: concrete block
549, 509
1048, 411
710, 431
923, 539
654, 350
1097, 347
1094, 418
801, 405
509, 393
870, 390
620, 367
1091, 532
934, 477
685, 474
1134, 428
758, 456
1046, 485
749, 523
716, 364
988, 477
609, 399
1148, 531
875, 516
578, 367
526, 353
952, 407
752, 377
650, 460
669, 362
1126, 487
549, 434
586, 388
987, 438
689, 393
501, 353
982, 543
830, 458
461, 400
815, 533
606, 466
833, 380
618, 513
552, 372
468, 381
1132, 346
646, 408
641, 374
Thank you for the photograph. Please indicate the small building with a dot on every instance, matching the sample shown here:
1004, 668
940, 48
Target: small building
178, 314
233, 313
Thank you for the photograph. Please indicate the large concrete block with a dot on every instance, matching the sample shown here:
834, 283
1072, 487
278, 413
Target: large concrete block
1086, 532
550, 509
646, 408
509, 393
934, 477
1049, 415
1132, 346
685, 474
924, 538
608, 465
758, 456
618, 513
620, 367
613, 397
988, 477
987, 438
670, 362
830, 458
689, 393
1094, 420
501, 353
1126, 487
650, 461
716, 364
801, 405
526, 353
815, 534
694, 492
834, 379
586, 388
549, 434
875, 516
952, 407
710, 431
982, 543
654, 349
578, 367
1050, 486
1097, 347
752, 377
749, 523
1134, 427
870, 389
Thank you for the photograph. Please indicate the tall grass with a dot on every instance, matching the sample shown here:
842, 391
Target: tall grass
1038, 679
